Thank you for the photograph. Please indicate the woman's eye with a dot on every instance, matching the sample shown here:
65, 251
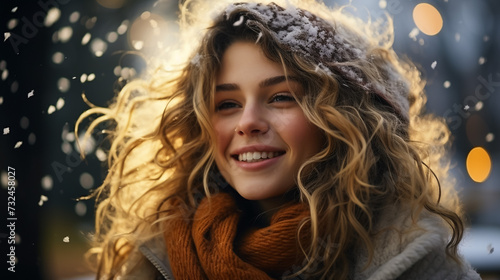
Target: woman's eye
226, 105
280, 97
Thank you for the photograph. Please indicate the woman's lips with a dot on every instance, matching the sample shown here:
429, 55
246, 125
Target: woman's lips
258, 164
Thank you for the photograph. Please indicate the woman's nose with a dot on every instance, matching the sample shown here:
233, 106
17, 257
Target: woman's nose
252, 121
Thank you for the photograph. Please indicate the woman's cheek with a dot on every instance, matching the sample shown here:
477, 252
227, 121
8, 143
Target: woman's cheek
223, 134
295, 124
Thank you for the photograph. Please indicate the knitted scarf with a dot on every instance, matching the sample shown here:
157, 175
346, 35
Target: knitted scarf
209, 246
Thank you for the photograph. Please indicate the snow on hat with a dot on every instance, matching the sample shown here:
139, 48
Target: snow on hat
328, 45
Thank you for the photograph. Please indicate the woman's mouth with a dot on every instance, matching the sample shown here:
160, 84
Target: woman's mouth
257, 156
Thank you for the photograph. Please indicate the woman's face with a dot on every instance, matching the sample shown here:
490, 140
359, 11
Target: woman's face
262, 134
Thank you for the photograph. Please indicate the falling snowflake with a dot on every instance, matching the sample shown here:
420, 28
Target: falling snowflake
433, 65
6, 36
240, 21
66, 239
31, 93
5, 74
18, 144
51, 109
83, 78
60, 103
413, 33
86, 38
43, 198
479, 105
6, 131
53, 15
100, 154
258, 37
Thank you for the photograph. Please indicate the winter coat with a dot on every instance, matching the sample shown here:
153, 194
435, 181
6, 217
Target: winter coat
411, 252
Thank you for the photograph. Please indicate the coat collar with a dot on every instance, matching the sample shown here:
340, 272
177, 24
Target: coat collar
154, 250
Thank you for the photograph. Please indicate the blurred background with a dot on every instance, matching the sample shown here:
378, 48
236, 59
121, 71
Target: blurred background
52, 51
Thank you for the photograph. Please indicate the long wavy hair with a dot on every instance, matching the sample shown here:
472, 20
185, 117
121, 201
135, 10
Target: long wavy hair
161, 154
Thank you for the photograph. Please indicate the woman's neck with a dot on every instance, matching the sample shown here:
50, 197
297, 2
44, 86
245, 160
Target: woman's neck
264, 210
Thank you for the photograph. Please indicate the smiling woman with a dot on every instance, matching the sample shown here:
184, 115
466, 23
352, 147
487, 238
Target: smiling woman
291, 143
262, 134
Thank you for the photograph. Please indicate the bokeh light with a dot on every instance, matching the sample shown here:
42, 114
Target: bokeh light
86, 180
150, 32
53, 16
80, 208
24, 122
86, 38
490, 137
58, 57
74, 17
63, 84
64, 34
98, 47
478, 164
47, 182
428, 19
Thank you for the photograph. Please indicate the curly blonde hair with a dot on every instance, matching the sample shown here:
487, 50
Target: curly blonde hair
162, 144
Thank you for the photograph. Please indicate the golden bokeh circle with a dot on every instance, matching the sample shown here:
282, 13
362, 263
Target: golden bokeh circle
428, 19
478, 164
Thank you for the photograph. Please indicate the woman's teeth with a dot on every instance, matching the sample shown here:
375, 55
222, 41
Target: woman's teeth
256, 156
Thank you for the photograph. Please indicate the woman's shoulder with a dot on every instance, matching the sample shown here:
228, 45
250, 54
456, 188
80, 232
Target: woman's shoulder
410, 250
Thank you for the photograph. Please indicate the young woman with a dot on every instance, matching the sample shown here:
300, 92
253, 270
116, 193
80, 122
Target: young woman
289, 144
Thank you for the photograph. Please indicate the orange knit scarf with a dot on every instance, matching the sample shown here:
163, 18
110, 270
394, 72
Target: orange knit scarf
205, 247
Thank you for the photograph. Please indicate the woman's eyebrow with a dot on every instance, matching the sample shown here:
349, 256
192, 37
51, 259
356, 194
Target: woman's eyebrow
276, 80
226, 87
265, 83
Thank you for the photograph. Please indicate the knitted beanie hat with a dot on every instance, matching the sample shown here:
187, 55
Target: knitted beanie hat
328, 45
